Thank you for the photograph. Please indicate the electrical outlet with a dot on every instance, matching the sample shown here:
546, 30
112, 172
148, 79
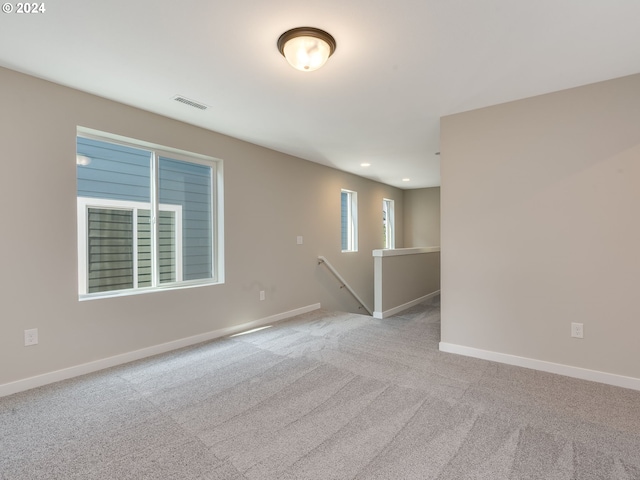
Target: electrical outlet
262, 297
577, 330
31, 337
299, 240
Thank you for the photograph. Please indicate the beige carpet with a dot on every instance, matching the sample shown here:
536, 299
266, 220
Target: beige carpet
323, 396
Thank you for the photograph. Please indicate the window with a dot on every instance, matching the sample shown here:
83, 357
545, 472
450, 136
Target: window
147, 217
388, 223
349, 220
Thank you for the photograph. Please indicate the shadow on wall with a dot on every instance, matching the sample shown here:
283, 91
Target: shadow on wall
333, 296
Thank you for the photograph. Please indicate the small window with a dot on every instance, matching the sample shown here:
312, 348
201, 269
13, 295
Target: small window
349, 220
117, 253
388, 224
147, 218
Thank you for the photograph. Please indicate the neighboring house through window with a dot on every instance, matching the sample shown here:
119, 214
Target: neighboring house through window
146, 218
349, 220
388, 223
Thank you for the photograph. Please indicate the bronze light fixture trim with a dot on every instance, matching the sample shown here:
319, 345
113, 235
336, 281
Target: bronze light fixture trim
306, 48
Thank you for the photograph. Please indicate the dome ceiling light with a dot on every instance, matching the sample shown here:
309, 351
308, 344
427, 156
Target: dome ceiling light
306, 48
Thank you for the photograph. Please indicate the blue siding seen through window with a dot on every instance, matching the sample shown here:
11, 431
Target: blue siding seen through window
122, 173
348, 221
344, 220
115, 172
189, 185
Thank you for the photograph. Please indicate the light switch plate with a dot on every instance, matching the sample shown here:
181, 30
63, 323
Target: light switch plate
577, 330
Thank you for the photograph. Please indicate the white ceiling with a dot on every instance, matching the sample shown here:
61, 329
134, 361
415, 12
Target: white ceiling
399, 66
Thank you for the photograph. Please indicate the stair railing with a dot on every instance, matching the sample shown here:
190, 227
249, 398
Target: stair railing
343, 283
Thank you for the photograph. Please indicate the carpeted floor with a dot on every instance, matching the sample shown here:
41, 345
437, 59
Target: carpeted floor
323, 396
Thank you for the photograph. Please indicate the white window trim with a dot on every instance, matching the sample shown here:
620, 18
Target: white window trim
390, 237
352, 232
84, 203
217, 213
168, 152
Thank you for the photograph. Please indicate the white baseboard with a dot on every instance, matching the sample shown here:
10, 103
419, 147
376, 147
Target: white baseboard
560, 369
77, 370
404, 306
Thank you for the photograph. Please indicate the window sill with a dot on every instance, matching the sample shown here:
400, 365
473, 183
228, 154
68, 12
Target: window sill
142, 291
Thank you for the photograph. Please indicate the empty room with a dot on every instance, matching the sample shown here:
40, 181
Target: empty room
349, 240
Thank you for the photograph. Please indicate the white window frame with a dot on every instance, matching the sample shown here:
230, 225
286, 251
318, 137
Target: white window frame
217, 216
85, 203
388, 206
352, 220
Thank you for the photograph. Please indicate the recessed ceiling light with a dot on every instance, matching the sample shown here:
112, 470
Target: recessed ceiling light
406, 179
306, 48
365, 164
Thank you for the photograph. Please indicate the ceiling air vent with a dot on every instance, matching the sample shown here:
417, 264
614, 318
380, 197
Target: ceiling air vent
186, 101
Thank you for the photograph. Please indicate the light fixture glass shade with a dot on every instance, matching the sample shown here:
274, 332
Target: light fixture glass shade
306, 53
306, 48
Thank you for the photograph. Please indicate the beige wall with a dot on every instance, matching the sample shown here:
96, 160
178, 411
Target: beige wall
541, 227
270, 198
403, 278
422, 217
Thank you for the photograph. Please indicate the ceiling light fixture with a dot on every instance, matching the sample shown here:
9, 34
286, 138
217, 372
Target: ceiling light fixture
365, 164
306, 48
406, 179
